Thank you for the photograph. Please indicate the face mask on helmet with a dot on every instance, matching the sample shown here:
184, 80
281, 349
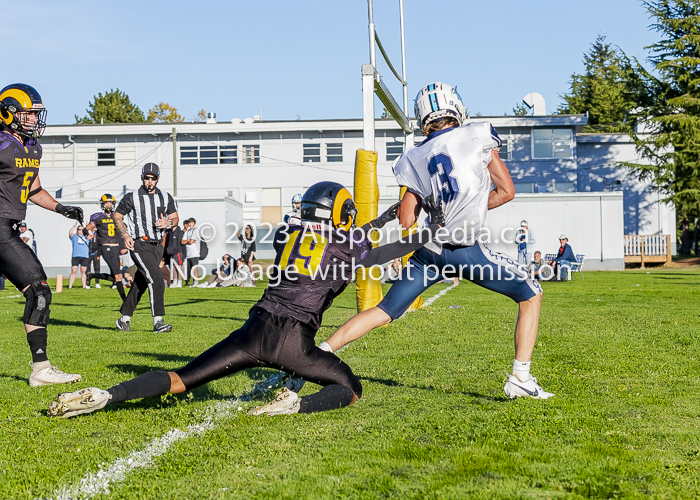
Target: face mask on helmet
22, 110
437, 101
329, 204
107, 198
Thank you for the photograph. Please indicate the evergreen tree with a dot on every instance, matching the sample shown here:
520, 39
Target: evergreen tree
667, 124
602, 90
113, 107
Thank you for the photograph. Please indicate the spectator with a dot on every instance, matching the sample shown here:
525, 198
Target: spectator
564, 258
225, 271
27, 236
80, 258
535, 267
685, 238
523, 238
247, 245
242, 277
191, 242
175, 253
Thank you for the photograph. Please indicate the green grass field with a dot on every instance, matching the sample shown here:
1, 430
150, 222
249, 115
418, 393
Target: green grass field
620, 350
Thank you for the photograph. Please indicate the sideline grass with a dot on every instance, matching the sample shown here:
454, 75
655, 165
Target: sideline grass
620, 351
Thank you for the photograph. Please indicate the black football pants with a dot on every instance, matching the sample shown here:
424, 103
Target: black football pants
18, 262
266, 340
147, 257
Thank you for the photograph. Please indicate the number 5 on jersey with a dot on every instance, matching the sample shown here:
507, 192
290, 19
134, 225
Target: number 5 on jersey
304, 252
26, 185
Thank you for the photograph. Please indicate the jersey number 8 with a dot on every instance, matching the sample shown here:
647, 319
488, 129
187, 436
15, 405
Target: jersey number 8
440, 166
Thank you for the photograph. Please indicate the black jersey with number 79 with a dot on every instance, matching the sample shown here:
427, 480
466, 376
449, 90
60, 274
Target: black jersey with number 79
311, 269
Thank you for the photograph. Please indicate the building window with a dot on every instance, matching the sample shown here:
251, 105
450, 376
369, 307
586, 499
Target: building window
312, 153
251, 154
208, 155
552, 143
563, 187
505, 153
393, 150
334, 152
228, 154
106, 157
523, 187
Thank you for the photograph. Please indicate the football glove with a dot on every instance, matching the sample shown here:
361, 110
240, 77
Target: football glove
386, 217
70, 212
433, 207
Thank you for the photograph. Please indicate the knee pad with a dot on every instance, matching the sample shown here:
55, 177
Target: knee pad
36, 309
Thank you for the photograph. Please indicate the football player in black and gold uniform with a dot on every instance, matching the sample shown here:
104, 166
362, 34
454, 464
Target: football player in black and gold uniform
314, 264
108, 239
22, 122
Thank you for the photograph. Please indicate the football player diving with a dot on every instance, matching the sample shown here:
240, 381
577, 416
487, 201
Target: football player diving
108, 241
293, 217
458, 163
22, 123
314, 264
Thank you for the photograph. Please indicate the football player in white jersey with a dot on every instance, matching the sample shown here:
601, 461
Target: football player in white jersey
460, 165
294, 217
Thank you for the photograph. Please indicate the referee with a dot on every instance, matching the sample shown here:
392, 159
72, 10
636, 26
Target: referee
141, 218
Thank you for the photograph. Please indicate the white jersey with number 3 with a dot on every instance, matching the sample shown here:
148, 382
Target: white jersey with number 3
453, 164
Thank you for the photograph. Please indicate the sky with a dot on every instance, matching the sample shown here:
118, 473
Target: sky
299, 59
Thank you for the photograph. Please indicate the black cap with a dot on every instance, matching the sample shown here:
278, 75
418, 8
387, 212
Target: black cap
150, 168
22, 224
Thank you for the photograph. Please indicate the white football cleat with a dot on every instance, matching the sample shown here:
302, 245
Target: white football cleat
516, 388
70, 404
97, 285
52, 375
285, 403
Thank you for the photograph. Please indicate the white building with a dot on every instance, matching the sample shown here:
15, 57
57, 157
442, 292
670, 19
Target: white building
257, 166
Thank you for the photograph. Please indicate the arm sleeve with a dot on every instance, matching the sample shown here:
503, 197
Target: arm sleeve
126, 205
391, 251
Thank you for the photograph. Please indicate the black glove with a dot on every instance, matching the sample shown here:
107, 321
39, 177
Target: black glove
433, 208
70, 212
386, 217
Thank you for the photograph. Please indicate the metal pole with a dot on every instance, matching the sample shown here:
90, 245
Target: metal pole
368, 106
372, 52
174, 161
408, 137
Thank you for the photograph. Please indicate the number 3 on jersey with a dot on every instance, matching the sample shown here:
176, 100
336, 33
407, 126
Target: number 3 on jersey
303, 252
26, 186
440, 166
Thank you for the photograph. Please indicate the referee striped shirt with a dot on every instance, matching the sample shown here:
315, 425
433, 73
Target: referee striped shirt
142, 209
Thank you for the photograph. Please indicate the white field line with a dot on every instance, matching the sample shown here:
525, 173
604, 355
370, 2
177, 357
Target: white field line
10, 297
96, 483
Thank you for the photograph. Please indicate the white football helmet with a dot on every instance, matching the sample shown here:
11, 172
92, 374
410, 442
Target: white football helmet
296, 199
437, 101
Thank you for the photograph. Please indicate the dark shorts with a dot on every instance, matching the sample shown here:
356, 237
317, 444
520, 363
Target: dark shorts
18, 262
80, 261
267, 340
111, 255
478, 264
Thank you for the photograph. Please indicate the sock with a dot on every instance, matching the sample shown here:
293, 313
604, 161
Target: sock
148, 384
37, 344
324, 346
40, 366
120, 288
126, 318
521, 369
331, 397
156, 319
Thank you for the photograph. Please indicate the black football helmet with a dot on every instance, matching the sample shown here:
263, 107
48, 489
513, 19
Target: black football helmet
20, 98
104, 199
329, 203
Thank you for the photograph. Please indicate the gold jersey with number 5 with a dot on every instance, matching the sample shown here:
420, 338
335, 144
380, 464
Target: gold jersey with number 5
19, 166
